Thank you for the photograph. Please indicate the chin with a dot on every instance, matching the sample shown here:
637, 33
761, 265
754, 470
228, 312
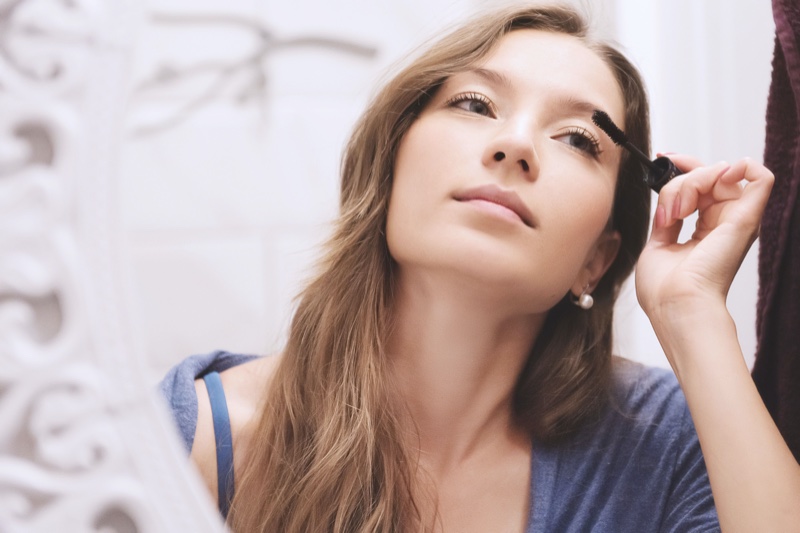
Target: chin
488, 272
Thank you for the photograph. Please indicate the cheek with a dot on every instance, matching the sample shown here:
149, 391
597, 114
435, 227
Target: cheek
583, 198
419, 185
398, 221
408, 186
577, 216
409, 220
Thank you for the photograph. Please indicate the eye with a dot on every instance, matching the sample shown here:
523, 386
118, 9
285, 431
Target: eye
583, 140
473, 103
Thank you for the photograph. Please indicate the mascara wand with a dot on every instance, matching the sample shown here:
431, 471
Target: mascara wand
659, 171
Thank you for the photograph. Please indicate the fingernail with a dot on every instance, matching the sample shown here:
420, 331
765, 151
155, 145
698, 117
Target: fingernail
676, 207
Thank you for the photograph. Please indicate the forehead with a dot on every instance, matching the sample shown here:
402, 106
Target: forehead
558, 65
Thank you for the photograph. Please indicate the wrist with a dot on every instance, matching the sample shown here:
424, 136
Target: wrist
697, 337
687, 312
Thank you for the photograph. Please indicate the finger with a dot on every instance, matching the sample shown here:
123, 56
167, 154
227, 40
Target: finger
669, 196
682, 195
751, 171
663, 235
704, 188
687, 163
757, 181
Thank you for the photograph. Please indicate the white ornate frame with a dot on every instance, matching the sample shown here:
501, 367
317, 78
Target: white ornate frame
84, 443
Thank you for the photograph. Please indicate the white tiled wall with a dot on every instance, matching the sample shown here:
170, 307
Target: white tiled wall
223, 212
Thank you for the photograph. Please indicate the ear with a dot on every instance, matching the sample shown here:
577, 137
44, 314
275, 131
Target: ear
598, 262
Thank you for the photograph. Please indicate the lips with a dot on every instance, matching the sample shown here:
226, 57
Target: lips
503, 197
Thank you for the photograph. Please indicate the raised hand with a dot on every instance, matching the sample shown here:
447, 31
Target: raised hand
730, 200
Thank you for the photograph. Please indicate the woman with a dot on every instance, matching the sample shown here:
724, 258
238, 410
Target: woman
449, 368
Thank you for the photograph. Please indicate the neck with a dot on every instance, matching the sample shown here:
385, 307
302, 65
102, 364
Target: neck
456, 353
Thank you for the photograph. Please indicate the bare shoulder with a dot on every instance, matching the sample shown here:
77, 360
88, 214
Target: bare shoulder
244, 386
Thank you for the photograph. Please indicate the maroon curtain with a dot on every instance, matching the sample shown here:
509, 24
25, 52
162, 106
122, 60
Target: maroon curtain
777, 367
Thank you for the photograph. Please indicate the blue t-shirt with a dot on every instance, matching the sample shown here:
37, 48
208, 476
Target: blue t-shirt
638, 468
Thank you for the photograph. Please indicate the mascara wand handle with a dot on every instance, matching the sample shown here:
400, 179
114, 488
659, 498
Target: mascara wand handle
661, 172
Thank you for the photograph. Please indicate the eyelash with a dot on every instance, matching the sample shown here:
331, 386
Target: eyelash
472, 97
592, 150
594, 145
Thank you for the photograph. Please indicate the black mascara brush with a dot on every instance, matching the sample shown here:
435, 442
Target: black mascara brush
659, 170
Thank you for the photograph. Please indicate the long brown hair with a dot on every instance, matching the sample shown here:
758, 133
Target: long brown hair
328, 453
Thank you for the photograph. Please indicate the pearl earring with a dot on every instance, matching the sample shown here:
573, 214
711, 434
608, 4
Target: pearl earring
585, 300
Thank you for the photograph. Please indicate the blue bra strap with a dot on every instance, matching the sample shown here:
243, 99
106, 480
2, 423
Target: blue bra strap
222, 436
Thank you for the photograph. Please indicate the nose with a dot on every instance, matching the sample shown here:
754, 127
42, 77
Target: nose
513, 148
499, 156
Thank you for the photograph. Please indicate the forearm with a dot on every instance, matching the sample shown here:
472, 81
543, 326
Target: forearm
754, 476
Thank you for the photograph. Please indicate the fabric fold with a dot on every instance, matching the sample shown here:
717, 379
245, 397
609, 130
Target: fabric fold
776, 371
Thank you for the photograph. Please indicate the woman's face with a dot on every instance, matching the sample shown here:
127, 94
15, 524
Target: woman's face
504, 180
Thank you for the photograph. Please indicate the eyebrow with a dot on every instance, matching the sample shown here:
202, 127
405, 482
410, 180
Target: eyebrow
577, 105
492, 76
571, 104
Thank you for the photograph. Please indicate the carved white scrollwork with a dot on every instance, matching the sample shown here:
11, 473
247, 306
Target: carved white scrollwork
44, 43
84, 444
